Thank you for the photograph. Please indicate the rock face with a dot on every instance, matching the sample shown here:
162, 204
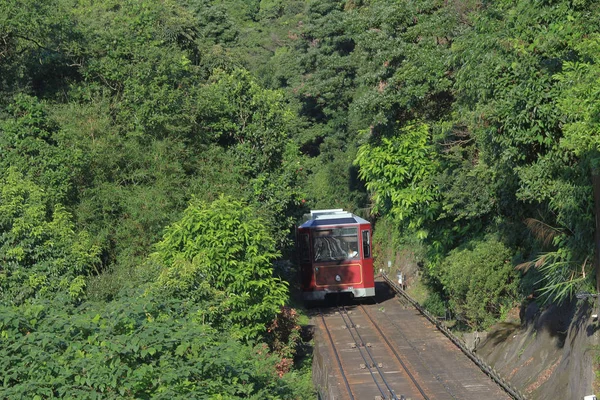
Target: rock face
548, 354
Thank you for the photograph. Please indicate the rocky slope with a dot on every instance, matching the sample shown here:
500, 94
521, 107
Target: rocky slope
546, 354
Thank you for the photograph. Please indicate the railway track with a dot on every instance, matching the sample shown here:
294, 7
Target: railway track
372, 363
389, 350
405, 298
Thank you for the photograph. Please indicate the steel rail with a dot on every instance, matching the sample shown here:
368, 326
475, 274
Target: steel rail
417, 352
508, 388
361, 345
337, 356
410, 375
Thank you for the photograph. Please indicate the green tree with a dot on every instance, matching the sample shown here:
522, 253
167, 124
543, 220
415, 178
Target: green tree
399, 173
225, 246
254, 122
40, 253
579, 103
34, 55
34, 144
134, 348
140, 55
480, 281
255, 126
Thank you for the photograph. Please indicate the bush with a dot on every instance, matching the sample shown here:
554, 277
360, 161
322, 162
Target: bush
435, 304
223, 251
480, 281
40, 253
138, 347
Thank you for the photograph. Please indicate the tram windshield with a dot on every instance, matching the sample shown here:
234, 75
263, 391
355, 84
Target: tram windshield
335, 244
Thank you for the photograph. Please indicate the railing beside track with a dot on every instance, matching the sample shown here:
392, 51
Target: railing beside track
508, 388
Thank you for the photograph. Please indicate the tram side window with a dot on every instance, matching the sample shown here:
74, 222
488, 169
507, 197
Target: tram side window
366, 244
304, 248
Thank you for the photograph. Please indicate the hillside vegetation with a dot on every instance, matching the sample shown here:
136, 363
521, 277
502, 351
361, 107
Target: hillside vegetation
155, 155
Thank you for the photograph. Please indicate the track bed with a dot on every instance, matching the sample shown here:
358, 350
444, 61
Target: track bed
385, 349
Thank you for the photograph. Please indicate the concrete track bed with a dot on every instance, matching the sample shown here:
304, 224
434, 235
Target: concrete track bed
429, 360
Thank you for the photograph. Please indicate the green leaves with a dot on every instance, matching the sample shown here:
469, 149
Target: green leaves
133, 115
480, 281
399, 171
130, 51
509, 93
32, 143
139, 347
253, 121
39, 250
223, 247
580, 102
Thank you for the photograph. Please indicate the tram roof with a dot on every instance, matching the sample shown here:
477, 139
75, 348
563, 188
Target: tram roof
335, 216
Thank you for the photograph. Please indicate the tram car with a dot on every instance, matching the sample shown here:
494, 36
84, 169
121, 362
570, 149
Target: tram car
334, 255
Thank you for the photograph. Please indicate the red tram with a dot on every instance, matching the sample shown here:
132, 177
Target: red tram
334, 249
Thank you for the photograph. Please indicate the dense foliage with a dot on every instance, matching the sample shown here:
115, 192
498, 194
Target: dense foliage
467, 120
136, 348
481, 281
116, 116
155, 155
222, 248
40, 253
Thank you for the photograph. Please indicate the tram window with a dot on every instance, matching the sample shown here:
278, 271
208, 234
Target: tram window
304, 247
335, 244
366, 244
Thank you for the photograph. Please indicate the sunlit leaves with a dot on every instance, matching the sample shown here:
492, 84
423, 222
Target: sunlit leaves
32, 143
39, 251
131, 348
225, 246
398, 172
254, 122
480, 281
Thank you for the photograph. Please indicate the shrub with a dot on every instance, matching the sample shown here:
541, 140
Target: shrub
435, 304
40, 253
137, 347
480, 281
223, 250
